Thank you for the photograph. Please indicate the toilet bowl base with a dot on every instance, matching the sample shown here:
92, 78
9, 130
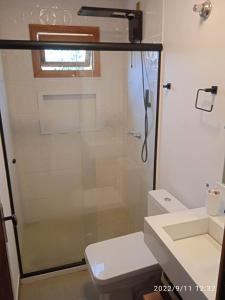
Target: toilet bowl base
134, 289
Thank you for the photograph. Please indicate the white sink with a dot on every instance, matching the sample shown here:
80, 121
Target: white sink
194, 229
187, 245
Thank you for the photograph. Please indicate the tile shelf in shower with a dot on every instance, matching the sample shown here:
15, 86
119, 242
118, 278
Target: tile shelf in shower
101, 199
76, 111
100, 146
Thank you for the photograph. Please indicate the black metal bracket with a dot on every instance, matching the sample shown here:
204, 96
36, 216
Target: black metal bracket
135, 18
213, 90
167, 86
12, 218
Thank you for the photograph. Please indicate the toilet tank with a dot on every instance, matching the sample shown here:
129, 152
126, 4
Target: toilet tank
161, 202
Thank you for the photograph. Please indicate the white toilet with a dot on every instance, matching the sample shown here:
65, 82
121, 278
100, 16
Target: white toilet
122, 267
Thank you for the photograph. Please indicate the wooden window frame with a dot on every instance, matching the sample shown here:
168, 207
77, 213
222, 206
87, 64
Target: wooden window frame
91, 34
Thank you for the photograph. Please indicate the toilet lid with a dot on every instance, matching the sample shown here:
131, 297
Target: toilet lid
119, 258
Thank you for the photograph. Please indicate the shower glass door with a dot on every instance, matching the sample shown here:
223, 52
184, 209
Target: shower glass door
78, 177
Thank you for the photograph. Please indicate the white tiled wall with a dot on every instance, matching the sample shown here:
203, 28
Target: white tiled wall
56, 170
45, 160
50, 166
15, 16
139, 176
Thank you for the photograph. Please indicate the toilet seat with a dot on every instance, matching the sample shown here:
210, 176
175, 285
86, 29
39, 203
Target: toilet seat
120, 258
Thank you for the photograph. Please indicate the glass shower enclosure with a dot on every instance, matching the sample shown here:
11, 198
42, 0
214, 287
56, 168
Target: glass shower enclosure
72, 150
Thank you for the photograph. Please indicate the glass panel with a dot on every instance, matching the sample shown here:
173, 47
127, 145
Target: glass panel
65, 60
79, 177
65, 55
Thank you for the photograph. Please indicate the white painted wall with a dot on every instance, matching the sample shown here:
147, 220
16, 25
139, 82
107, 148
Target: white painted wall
192, 142
4, 194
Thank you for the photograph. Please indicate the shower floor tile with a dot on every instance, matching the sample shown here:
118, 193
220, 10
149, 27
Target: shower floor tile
75, 286
58, 242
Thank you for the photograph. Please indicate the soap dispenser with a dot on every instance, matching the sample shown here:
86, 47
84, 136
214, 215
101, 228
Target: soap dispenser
213, 197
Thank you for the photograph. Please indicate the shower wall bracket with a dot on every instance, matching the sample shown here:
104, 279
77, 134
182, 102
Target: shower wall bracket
135, 18
203, 9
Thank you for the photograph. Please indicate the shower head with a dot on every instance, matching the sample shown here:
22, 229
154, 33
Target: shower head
134, 17
107, 12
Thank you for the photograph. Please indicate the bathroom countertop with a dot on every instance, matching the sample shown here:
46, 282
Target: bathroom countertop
198, 255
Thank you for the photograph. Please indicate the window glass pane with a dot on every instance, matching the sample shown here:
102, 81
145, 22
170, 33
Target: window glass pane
45, 61
66, 68
65, 55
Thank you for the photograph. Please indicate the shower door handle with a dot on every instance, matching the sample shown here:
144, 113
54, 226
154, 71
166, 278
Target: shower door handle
167, 86
5, 219
12, 218
3, 223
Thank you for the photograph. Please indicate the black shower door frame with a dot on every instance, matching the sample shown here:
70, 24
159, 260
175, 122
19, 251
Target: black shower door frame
40, 45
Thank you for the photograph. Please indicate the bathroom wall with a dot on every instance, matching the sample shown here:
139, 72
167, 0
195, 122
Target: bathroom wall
16, 16
192, 142
4, 194
50, 166
139, 176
